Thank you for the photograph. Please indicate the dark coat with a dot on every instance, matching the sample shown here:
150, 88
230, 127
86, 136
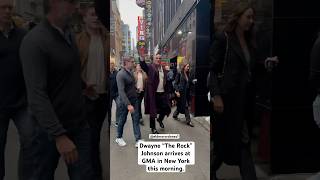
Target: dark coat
237, 95
113, 84
151, 88
182, 85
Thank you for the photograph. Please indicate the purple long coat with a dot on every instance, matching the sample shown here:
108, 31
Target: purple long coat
151, 89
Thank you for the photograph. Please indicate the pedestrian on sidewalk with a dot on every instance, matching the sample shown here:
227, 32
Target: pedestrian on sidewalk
156, 97
170, 81
231, 84
128, 101
141, 81
51, 67
113, 91
13, 104
182, 85
93, 42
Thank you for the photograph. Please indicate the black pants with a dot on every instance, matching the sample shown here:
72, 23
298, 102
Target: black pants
162, 107
96, 112
186, 114
247, 169
111, 99
140, 98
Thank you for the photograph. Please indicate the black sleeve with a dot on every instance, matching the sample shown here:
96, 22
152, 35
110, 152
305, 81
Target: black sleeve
315, 65
176, 84
35, 70
216, 57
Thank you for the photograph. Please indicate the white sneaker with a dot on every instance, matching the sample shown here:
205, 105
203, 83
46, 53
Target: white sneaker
121, 142
137, 143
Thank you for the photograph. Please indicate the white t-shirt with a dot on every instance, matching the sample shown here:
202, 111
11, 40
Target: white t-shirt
161, 80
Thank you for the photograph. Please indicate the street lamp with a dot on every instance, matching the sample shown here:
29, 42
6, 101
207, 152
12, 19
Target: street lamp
181, 32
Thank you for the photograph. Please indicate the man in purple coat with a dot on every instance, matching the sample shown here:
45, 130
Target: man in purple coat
156, 96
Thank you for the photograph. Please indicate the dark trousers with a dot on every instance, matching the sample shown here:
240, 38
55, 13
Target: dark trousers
48, 156
96, 114
27, 129
186, 114
162, 107
247, 169
123, 111
113, 98
140, 98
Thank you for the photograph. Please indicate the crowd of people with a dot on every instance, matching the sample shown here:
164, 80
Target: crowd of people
155, 83
58, 91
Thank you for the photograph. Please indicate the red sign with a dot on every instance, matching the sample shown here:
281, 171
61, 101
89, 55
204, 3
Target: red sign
141, 34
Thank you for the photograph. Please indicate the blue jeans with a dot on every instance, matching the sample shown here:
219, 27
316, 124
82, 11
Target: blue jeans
48, 156
117, 100
123, 113
26, 126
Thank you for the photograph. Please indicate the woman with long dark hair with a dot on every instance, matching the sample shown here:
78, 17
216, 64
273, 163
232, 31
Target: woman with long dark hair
182, 85
141, 81
231, 83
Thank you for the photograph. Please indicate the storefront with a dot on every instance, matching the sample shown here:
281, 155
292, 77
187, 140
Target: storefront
189, 43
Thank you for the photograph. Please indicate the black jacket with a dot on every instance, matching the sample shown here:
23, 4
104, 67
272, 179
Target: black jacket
237, 96
51, 67
182, 85
113, 84
12, 90
236, 71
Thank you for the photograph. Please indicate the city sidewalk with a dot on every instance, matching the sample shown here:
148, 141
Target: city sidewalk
124, 163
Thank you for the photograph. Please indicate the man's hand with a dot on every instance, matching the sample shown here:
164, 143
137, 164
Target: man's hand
177, 93
130, 108
90, 91
67, 149
142, 57
271, 62
218, 105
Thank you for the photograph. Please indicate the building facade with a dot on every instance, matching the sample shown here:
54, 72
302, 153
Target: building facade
126, 40
115, 34
181, 33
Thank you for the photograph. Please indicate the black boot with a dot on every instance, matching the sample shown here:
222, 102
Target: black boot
160, 123
154, 131
189, 123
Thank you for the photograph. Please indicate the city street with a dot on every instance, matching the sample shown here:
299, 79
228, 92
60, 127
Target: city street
124, 164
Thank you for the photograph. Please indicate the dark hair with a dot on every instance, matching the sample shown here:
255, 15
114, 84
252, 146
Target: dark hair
126, 59
184, 66
233, 22
86, 6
